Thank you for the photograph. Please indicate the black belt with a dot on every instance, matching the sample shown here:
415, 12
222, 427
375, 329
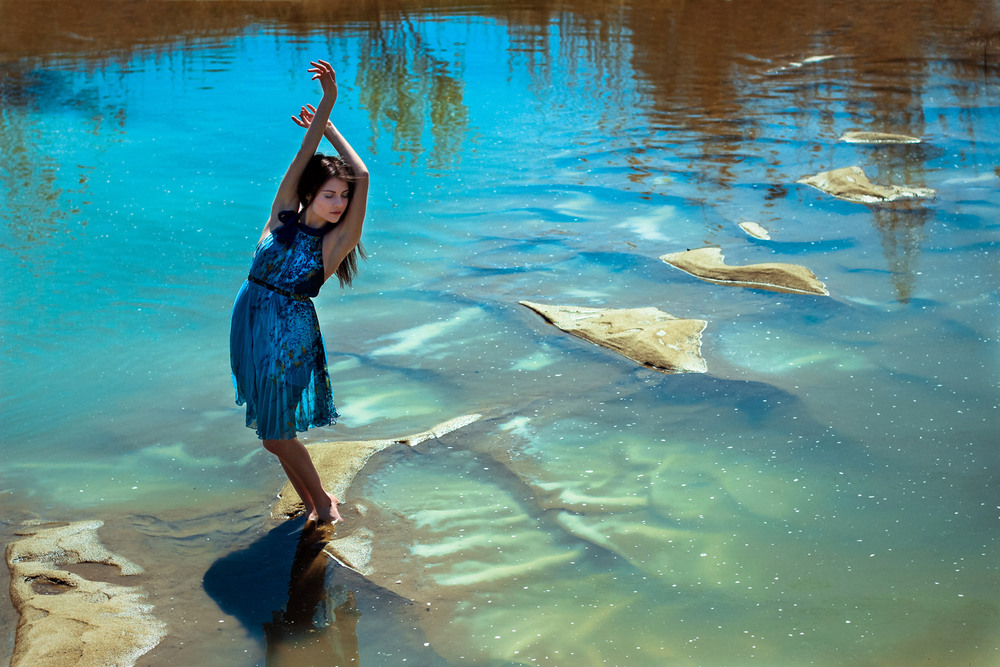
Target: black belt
278, 290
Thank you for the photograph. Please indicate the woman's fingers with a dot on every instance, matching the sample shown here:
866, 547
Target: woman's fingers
323, 71
305, 116
321, 68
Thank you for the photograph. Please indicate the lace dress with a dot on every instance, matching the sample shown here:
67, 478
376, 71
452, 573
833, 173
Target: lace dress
275, 345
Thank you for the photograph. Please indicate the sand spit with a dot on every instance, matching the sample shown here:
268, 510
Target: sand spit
852, 184
338, 464
709, 265
649, 336
66, 619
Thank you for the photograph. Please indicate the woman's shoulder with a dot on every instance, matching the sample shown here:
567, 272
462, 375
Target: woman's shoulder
285, 217
284, 229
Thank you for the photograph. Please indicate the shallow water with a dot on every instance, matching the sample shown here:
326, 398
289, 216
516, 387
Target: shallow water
825, 494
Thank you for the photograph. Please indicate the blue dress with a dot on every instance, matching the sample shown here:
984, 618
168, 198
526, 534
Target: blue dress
275, 345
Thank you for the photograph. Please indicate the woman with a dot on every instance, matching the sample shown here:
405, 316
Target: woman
276, 349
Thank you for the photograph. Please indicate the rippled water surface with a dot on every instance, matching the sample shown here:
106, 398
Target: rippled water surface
825, 494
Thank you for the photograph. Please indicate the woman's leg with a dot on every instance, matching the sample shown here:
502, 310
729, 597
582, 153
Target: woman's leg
302, 474
300, 489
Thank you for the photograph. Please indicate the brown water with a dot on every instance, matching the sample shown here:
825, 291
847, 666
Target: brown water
824, 494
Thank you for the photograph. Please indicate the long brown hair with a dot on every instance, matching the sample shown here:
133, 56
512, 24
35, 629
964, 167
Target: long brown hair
320, 169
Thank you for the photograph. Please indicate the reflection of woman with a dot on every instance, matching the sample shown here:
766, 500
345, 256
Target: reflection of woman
276, 349
303, 634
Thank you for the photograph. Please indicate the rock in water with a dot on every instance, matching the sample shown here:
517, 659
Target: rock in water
66, 619
755, 230
851, 184
878, 138
646, 335
708, 264
353, 551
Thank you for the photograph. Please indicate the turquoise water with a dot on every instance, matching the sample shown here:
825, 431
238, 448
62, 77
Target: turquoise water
825, 494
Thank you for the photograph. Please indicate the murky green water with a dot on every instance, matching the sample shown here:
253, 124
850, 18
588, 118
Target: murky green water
825, 494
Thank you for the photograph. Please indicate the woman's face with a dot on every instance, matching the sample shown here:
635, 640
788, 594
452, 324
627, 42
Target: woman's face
331, 200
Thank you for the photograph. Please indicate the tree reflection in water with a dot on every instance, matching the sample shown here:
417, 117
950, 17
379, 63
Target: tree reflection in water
408, 91
712, 77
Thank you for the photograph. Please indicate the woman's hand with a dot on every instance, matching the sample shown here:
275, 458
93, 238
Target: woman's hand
323, 71
305, 117
286, 198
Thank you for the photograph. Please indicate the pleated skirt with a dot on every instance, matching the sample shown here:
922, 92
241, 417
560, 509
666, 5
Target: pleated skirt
279, 364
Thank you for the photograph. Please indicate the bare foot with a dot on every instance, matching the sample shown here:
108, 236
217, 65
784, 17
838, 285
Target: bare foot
312, 517
328, 514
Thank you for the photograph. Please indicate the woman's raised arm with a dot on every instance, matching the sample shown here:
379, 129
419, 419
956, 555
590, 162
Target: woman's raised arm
305, 118
286, 198
343, 238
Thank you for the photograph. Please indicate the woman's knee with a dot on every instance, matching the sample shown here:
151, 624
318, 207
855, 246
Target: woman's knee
276, 447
